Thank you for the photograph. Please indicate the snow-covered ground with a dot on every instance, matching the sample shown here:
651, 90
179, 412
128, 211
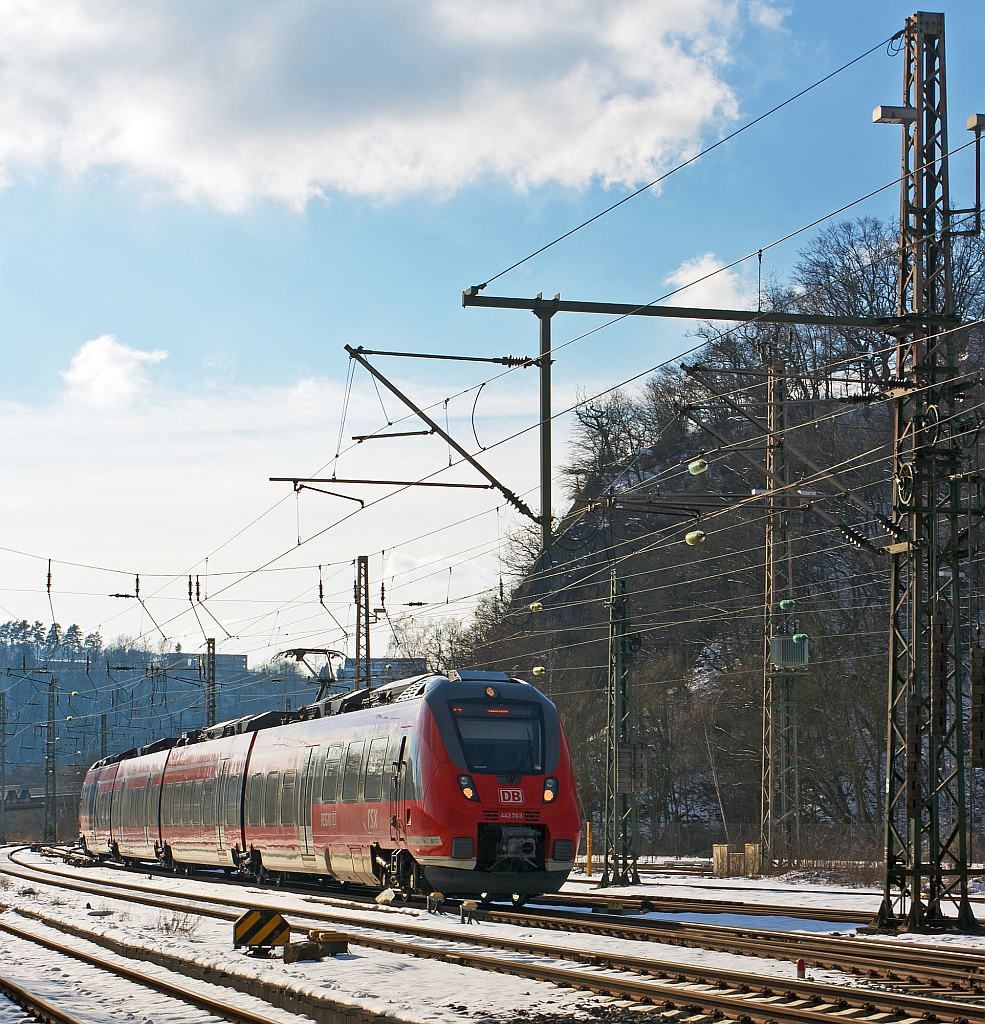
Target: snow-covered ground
403, 986
425, 990
11, 1013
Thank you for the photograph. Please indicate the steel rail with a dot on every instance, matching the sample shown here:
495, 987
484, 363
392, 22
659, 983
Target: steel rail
916, 964
676, 904
726, 992
203, 1002
689, 975
35, 1005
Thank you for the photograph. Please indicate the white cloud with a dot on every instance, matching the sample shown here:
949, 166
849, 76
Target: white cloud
766, 15
184, 473
235, 102
723, 290
105, 372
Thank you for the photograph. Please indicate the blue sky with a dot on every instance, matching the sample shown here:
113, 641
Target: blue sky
232, 197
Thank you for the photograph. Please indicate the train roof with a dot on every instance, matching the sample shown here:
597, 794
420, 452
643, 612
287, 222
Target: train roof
411, 688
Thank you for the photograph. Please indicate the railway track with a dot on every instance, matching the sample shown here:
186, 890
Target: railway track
34, 1005
677, 904
217, 1008
947, 991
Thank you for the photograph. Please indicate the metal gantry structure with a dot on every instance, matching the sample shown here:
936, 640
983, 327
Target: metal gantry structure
935, 503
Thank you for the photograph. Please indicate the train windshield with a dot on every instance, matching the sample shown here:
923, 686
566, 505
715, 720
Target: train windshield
505, 738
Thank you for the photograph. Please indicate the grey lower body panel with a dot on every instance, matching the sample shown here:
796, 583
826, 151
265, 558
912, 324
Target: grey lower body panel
458, 882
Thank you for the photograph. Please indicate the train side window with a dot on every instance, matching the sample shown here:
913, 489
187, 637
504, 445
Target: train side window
270, 799
374, 768
254, 800
208, 803
330, 784
197, 788
232, 799
166, 805
350, 778
186, 802
288, 798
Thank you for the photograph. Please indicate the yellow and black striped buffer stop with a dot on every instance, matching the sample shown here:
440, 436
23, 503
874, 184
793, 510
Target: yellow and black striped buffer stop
261, 928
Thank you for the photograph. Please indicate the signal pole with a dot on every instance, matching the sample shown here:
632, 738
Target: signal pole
361, 596
625, 757
926, 826
50, 782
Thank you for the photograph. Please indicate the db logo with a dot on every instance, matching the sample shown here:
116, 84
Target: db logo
511, 796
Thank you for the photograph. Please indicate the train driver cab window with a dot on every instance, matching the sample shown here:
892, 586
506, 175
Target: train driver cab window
350, 778
254, 799
233, 786
375, 766
271, 798
502, 738
288, 798
330, 784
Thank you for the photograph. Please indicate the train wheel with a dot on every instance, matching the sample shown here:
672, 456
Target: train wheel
485, 899
519, 899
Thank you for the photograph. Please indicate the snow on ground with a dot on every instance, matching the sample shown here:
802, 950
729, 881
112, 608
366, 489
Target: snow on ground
90, 995
11, 1013
404, 986
784, 891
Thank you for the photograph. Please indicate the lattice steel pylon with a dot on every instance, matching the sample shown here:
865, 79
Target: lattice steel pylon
780, 818
625, 756
360, 593
50, 830
926, 827
210, 681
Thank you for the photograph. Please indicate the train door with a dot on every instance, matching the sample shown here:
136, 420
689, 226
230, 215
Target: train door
311, 771
220, 801
398, 794
146, 806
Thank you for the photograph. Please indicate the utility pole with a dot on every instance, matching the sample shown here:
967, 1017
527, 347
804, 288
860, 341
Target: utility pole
103, 737
625, 757
926, 826
210, 681
361, 595
3, 765
780, 819
50, 783
544, 311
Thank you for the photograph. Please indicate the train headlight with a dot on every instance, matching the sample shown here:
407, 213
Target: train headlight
550, 790
467, 787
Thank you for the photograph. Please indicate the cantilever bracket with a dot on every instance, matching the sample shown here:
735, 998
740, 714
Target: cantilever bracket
512, 498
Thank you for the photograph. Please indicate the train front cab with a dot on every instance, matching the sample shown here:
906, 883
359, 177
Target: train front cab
500, 783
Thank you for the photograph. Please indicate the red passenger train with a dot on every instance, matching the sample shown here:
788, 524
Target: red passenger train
459, 783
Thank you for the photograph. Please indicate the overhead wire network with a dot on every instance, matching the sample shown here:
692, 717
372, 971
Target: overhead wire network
269, 566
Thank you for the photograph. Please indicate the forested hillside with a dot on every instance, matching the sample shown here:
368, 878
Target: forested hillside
698, 610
